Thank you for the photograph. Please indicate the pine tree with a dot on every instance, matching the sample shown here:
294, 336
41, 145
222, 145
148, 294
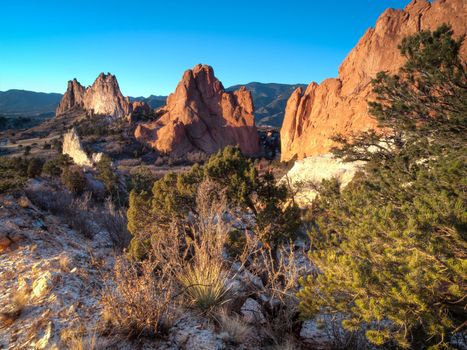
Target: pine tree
391, 248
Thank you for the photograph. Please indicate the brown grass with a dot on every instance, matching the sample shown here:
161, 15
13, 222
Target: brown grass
280, 277
239, 332
18, 303
139, 298
205, 276
115, 222
77, 337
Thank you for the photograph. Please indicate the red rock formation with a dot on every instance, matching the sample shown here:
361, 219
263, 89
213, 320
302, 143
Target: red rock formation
340, 105
140, 107
103, 97
73, 97
201, 115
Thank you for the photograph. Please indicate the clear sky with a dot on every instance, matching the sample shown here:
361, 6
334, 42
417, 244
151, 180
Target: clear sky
149, 44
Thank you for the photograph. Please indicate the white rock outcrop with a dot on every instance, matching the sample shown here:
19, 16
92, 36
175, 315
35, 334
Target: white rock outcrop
309, 172
72, 147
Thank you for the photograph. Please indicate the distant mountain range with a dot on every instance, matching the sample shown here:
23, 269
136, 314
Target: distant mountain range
269, 100
153, 101
28, 103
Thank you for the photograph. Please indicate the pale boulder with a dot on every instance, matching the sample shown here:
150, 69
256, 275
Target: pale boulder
307, 173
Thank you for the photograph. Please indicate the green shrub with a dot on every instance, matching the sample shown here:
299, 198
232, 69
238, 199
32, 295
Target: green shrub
236, 243
234, 172
27, 150
391, 248
13, 173
74, 179
107, 173
278, 219
57, 145
142, 179
34, 167
54, 167
174, 196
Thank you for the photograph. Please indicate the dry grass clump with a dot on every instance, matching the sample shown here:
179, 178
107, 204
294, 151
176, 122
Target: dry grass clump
239, 332
279, 271
76, 211
204, 277
83, 215
115, 222
18, 303
139, 299
77, 339
65, 262
204, 283
287, 344
277, 268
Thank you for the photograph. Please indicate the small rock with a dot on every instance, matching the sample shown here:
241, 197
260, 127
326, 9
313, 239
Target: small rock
273, 302
42, 285
204, 340
312, 333
248, 278
252, 312
24, 202
43, 342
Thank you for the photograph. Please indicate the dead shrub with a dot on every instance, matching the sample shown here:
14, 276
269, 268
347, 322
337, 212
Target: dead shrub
115, 223
75, 211
77, 339
139, 299
83, 215
238, 331
279, 272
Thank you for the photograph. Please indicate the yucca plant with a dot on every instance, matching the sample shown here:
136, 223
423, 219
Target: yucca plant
205, 284
205, 279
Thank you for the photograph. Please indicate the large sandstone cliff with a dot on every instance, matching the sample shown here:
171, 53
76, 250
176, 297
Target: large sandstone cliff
339, 105
103, 97
201, 115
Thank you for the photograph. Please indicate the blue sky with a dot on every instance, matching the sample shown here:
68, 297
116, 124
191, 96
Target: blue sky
149, 44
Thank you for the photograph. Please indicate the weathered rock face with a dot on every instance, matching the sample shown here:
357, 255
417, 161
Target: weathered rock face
103, 97
137, 110
72, 147
339, 105
201, 115
140, 107
72, 98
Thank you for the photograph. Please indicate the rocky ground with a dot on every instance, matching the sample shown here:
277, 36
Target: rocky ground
51, 279
50, 276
